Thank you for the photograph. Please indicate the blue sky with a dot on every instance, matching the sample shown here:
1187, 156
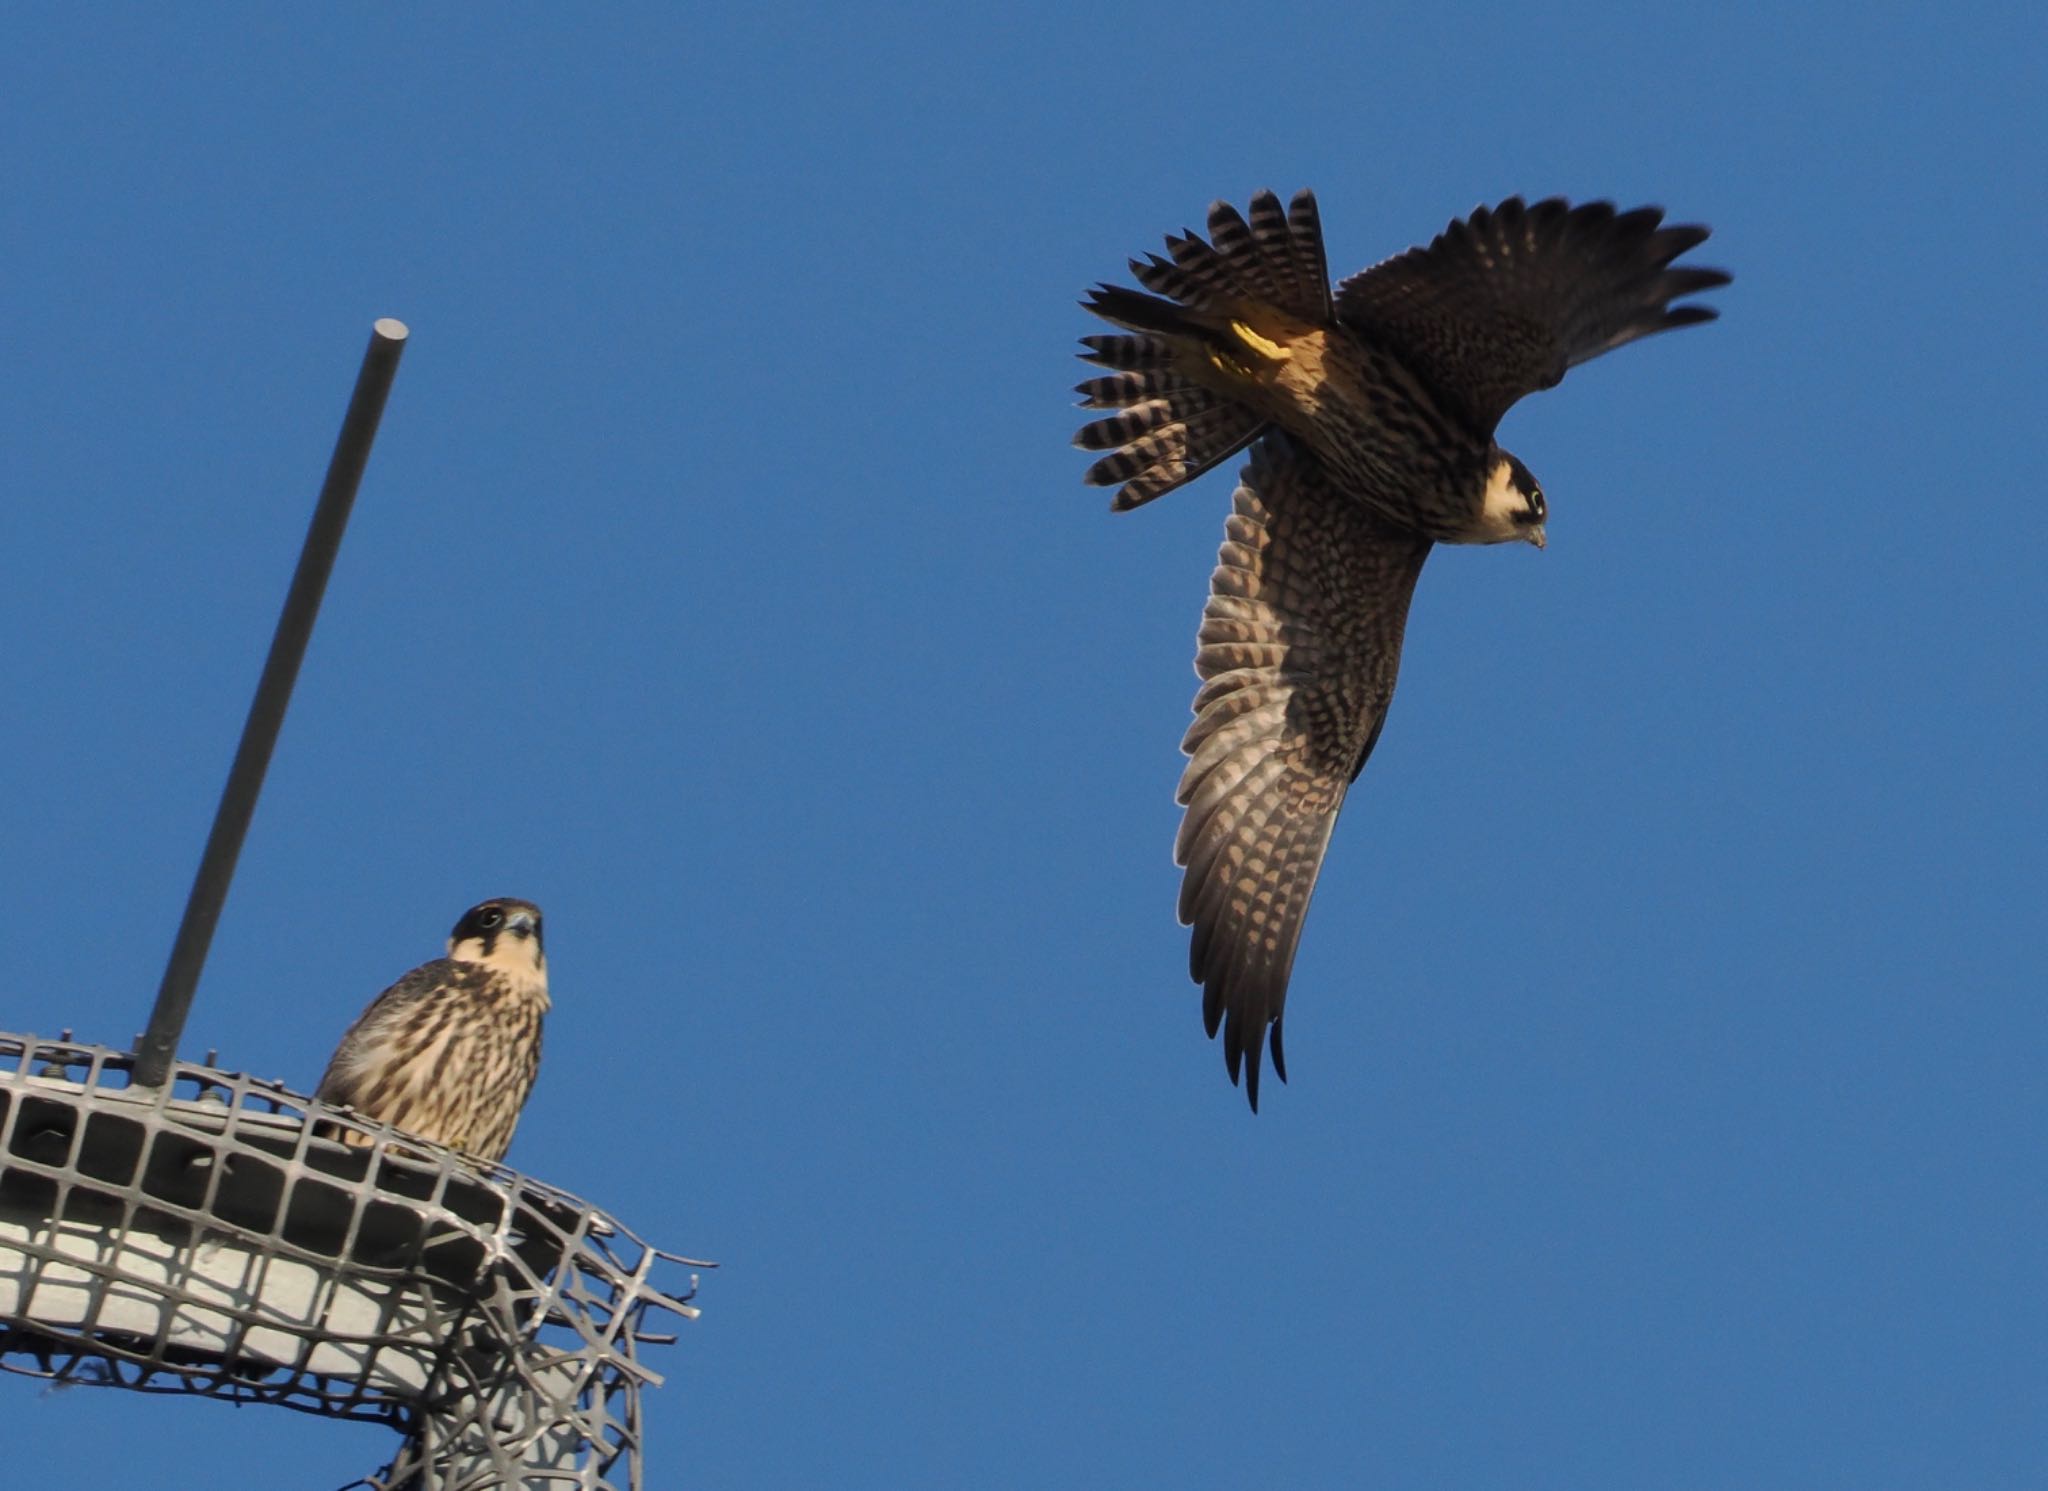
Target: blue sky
1667, 1040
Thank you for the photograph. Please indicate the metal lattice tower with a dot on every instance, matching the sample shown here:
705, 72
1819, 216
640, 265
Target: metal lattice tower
199, 1238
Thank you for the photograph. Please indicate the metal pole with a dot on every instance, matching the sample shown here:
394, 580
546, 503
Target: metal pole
266, 713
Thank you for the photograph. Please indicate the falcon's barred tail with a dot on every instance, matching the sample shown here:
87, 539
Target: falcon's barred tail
1172, 427
1300, 645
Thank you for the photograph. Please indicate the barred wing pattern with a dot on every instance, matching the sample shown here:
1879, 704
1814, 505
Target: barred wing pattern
1299, 648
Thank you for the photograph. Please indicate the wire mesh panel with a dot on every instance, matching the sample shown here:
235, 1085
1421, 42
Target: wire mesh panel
204, 1237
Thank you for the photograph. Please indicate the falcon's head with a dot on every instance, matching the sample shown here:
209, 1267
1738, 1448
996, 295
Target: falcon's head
504, 933
1513, 506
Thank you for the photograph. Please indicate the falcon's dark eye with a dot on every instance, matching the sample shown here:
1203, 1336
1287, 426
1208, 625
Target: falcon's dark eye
490, 919
1536, 503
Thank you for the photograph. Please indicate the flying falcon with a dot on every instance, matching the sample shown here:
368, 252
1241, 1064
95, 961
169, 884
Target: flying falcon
449, 1052
1374, 410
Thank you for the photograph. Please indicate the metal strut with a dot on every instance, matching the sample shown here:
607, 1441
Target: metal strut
266, 712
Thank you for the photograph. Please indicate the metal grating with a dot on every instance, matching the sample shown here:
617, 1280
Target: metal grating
198, 1238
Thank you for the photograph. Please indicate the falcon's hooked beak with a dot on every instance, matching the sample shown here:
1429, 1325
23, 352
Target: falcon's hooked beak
1536, 536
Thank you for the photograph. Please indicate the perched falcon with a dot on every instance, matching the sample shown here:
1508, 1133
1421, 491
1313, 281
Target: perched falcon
449, 1052
1377, 405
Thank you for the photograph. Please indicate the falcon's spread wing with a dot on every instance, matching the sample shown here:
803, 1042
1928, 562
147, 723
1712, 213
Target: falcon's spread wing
1300, 643
1502, 303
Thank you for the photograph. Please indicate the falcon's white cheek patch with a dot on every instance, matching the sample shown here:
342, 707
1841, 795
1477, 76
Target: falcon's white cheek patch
1504, 501
518, 958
